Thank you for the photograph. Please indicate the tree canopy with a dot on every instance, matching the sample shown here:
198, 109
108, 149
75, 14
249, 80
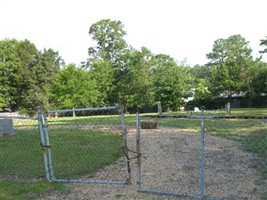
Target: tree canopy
118, 74
25, 74
230, 65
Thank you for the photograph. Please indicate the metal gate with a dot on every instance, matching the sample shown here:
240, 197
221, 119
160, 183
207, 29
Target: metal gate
168, 165
87, 145
202, 164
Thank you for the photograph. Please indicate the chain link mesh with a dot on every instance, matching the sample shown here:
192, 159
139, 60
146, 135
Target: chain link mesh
20, 152
94, 146
89, 146
234, 157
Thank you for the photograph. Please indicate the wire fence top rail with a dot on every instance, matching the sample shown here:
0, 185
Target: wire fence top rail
84, 109
208, 116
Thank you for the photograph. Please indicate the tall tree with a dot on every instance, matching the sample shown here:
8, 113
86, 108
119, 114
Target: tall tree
230, 63
25, 75
22, 80
133, 80
46, 71
142, 88
9, 61
108, 35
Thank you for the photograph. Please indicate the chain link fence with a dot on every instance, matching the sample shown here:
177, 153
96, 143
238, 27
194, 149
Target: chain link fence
85, 145
20, 151
236, 158
82, 145
202, 156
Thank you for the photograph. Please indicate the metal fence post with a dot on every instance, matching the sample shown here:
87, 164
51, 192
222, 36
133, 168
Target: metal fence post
48, 148
41, 131
124, 133
138, 151
202, 146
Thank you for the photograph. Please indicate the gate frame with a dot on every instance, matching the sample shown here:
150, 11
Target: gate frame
43, 129
202, 162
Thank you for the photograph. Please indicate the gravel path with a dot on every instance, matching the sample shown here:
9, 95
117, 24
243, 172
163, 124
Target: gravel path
170, 163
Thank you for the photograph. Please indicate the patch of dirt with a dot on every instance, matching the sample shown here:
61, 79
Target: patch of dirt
171, 164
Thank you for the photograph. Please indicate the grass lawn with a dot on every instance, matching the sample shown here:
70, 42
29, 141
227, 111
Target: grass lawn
74, 153
21, 190
219, 112
78, 152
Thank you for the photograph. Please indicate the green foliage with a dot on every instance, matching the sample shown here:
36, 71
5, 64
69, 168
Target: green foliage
108, 35
142, 85
170, 82
25, 75
230, 63
200, 72
102, 73
117, 74
259, 78
8, 64
133, 80
202, 92
73, 88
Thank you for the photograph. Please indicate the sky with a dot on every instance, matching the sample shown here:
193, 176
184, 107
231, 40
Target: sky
183, 29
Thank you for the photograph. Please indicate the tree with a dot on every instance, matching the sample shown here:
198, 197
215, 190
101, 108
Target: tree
8, 63
46, 71
133, 80
142, 93
230, 64
73, 88
259, 79
20, 59
171, 82
106, 58
25, 75
108, 35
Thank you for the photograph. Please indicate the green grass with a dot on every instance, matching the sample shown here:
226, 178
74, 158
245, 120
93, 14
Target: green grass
21, 154
234, 112
20, 190
78, 152
74, 152
95, 120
